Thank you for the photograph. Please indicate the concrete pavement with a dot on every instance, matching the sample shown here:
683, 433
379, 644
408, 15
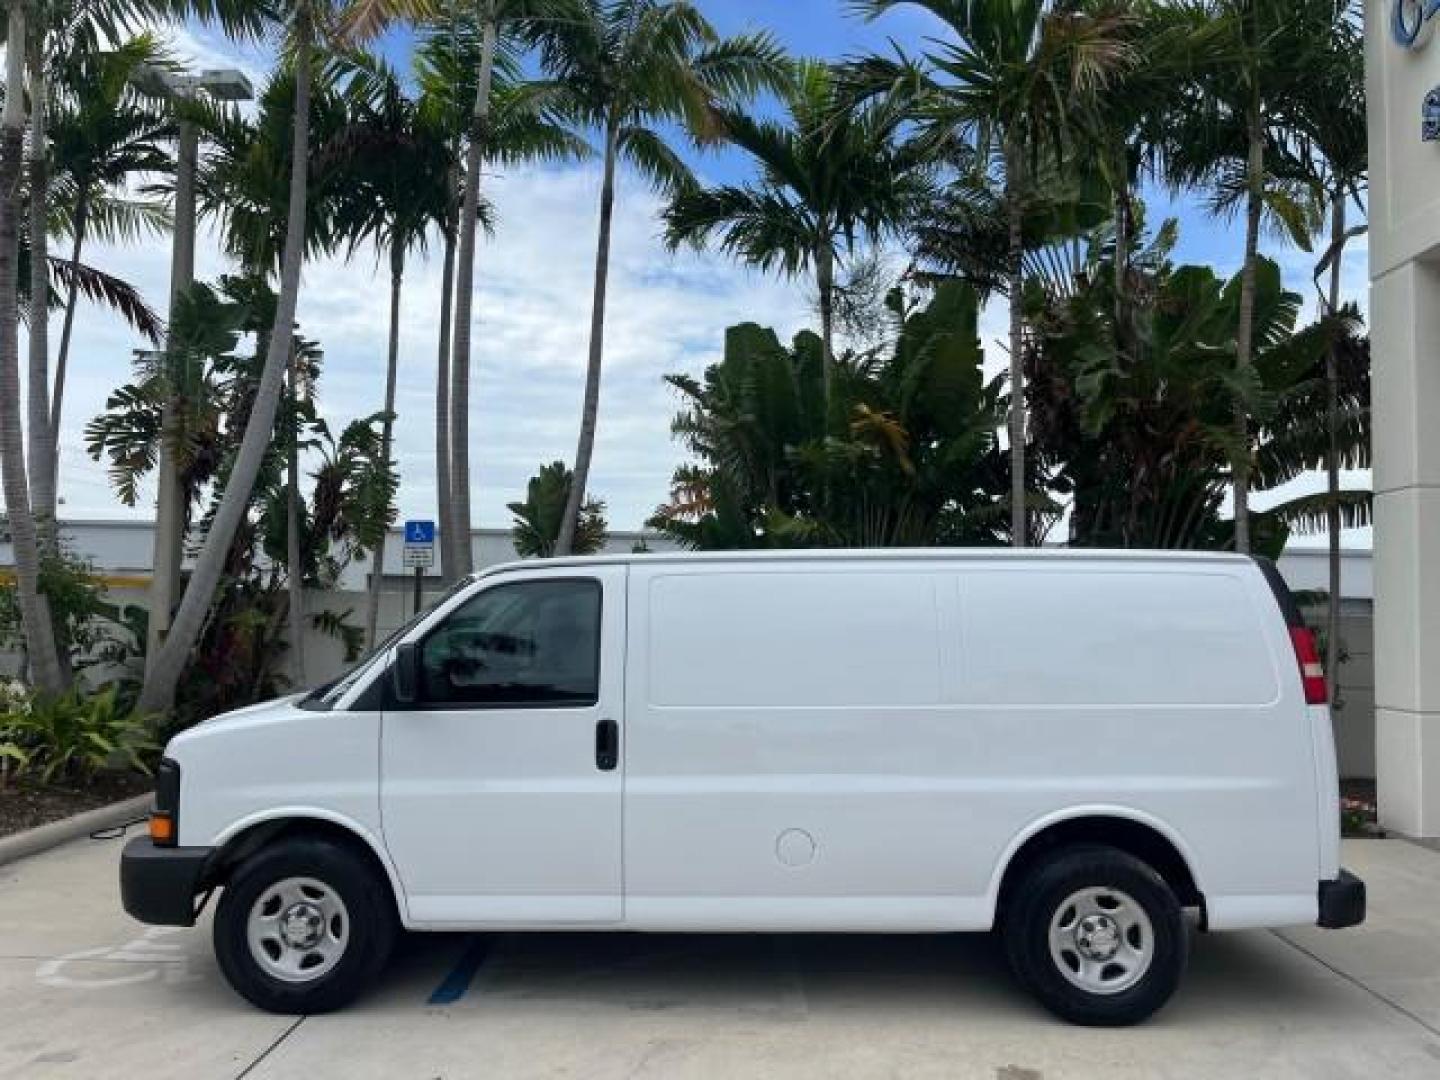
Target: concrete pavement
86, 992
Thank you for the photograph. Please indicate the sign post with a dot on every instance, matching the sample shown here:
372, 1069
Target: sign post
419, 553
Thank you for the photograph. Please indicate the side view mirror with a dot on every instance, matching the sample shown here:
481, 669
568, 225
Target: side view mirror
405, 672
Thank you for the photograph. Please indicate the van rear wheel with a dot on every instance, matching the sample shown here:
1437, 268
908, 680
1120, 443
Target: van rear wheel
1096, 935
304, 927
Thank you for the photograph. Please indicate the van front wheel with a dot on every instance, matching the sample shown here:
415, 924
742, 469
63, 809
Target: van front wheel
1096, 935
303, 927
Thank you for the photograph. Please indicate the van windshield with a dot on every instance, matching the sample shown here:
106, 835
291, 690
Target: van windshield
327, 694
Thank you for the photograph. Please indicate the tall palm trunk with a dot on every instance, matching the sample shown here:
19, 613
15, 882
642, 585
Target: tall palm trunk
1245, 335
35, 619
296, 583
443, 485
575, 498
825, 283
377, 565
40, 434
459, 520
158, 694
1015, 274
1332, 447
1123, 213
72, 301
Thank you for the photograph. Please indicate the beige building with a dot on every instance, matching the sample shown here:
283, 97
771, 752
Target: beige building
1403, 64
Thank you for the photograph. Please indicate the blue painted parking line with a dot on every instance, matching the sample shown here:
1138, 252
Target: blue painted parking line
455, 985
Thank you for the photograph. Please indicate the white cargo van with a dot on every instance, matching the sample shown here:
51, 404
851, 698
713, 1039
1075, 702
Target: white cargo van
1072, 747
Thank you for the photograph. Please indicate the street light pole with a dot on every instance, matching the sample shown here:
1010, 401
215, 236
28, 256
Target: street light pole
169, 497
169, 546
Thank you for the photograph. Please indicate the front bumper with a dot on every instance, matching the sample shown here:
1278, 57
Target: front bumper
158, 884
1342, 902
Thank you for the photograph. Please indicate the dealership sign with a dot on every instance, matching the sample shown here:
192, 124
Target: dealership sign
1413, 20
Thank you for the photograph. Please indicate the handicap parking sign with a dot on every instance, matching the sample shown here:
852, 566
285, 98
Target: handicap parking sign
419, 532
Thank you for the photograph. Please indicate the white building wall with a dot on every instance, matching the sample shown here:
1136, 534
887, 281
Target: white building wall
124, 549
1404, 211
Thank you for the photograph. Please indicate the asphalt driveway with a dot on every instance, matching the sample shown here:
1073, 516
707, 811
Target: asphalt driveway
87, 992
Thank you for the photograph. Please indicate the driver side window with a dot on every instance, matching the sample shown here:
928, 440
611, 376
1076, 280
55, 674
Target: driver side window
530, 643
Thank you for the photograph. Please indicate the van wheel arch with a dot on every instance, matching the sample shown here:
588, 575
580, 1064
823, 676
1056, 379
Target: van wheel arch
279, 830
1134, 838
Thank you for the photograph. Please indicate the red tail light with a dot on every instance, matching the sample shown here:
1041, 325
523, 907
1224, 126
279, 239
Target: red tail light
1312, 672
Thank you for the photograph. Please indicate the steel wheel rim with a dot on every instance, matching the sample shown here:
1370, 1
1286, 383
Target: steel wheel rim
298, 929
1101, 940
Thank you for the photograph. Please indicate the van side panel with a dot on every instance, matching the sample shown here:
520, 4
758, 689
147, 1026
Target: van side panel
789, 757
846, 745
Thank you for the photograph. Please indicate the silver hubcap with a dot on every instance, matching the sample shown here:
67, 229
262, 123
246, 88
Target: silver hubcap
1101, 940
298, 929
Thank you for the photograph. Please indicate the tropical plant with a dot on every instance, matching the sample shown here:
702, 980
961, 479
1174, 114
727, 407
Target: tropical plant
1233, 123
487, 34
830, 177
303, 20
284, 543
247, 651
519, 127
103, 135
71, 736
46, 665
915, 459
498, 19
625, 67
397, 164
1142, 440
397, 157
1015, 80
83, 618
1333, 152
537, 519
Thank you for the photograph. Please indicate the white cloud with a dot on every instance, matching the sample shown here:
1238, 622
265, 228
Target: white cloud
534, 281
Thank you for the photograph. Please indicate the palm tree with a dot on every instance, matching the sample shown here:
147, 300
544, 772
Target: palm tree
489, 31
830, 177
1335, 155
1237, 116
622, 67
1017, 79
305, 19
40, 644
103, 135
493, 14
396, 162
58, 33
520, 127
42, 449
537, 519
1125, 133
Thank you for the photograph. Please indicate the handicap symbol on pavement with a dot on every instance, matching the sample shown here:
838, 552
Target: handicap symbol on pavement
146, 958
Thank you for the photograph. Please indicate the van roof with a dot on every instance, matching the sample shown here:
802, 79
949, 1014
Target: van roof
930, 554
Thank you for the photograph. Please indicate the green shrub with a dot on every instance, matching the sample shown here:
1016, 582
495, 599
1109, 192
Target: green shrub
70, 736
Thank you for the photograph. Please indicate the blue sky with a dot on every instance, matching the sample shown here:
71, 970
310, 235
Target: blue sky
667, 313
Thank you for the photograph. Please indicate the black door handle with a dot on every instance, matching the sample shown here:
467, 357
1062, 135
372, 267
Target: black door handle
607, 745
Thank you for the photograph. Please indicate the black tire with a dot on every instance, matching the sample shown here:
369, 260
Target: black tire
367, 922
1035, 906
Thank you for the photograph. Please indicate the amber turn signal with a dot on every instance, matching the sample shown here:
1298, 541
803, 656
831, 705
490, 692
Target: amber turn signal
162, 829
